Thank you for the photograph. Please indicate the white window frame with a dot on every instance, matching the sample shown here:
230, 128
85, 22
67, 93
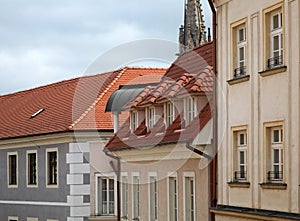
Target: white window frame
8, 170
190, 109
10, 218
48, 150
171, 215
241, 45
169, 113
153, 200
189, 215
133, 120
124, 196
277, 146
276, 32
28, 170
242, 148
98, 201
150, 117
136, 196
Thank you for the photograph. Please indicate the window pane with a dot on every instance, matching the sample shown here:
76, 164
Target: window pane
276, 42
242, 139
13, 170
276, 156
275, 136
111, 184
275, 21
242, 53
242, 157
52, 167
32, 168
241, 34
242, 169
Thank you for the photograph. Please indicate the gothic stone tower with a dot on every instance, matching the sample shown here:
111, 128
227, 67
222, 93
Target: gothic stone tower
192, 33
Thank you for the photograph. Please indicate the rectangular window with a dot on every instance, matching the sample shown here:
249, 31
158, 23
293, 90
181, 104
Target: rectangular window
124, 197
274, 37
274, 159
52, 165
136, 197
189, 199
241, 173
13, 218
276, 173
31, 168
134, 120
241, 52
106, 196
169, 113
239, 48
153, 198
12, 169
190, 109
173, 198
151, 117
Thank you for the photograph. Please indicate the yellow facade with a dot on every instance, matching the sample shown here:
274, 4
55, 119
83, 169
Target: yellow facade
264, 103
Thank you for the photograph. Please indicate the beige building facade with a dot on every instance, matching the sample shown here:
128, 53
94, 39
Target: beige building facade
258, 109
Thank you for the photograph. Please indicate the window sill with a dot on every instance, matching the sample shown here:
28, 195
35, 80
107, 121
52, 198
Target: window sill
239, 184
103, 218
276, 186
238, 80
273, 71
52, 186
32, 186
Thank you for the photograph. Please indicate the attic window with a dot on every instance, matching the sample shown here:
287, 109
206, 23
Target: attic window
37, 113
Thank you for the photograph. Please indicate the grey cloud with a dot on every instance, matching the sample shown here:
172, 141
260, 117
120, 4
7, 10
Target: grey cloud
43, 41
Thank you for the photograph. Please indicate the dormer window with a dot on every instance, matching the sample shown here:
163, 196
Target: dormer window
190, 109
169, 113
150, 117
134, 120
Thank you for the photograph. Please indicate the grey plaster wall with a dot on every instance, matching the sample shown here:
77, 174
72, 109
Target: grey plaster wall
41, 193
41, 212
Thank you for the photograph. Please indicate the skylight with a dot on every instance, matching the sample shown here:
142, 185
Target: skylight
37, 113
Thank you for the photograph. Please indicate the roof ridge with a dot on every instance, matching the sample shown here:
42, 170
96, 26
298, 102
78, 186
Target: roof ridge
54, 84
122, 71
147, 68
65, 81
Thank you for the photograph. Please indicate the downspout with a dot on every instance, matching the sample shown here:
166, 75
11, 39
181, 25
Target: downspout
214, 162
118, 172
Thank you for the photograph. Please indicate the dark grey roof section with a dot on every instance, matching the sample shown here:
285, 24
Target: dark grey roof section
123, 95
267, 213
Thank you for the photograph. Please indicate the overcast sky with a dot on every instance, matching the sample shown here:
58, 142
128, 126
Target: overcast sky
44, 41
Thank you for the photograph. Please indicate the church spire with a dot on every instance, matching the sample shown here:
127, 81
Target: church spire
192, 33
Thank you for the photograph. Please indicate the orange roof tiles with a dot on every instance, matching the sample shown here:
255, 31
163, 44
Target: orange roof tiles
76, 104
190, 73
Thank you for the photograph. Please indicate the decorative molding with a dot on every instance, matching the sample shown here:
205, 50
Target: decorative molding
274, 186
238, 80
34, 203
176, 151
273, 71
236, 184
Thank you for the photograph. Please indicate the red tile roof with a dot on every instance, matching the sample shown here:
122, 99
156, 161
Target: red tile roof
76, 104
158, 135
190, 73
